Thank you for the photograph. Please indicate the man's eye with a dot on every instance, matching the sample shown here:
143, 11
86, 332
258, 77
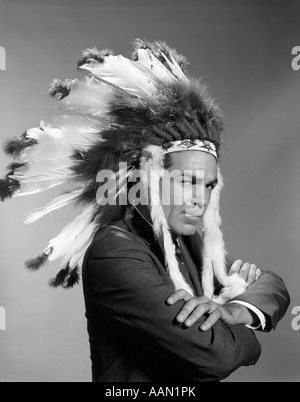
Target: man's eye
210, 187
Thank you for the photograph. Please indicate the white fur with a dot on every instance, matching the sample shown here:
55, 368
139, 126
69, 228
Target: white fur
153, 166
214, 253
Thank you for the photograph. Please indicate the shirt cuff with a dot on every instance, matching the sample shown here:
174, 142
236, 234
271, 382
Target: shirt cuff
256, 311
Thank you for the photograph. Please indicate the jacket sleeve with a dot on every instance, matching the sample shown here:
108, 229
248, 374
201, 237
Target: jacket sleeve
270, 296
125, 284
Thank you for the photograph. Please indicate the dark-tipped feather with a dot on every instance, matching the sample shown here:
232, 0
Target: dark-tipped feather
157, 48
13, 147
60, 278
34, 264
73, 278
60, 89
93, 55
8, 188
13, 166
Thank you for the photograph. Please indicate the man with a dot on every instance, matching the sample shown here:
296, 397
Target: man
162, 304
137, 332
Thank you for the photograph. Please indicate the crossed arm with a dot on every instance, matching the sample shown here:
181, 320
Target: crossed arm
235, 311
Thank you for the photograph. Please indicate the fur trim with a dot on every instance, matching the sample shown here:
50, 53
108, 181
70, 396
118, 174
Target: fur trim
153, 167
214, 253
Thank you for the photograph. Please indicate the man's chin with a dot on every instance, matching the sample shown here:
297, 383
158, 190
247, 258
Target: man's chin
188, 229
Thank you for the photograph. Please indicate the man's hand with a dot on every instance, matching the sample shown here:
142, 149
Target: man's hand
196, 307
249, 272
240, 276
233, 313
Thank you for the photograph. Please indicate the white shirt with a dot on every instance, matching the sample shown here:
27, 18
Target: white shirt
256, 311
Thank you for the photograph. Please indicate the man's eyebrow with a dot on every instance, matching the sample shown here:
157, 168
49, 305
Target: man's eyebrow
214, 181
196, 179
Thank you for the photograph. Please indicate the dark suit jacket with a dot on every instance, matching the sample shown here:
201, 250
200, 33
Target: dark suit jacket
132, 332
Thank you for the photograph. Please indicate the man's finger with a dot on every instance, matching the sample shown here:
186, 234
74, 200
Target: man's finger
258, 273
211, 320
252, 274
244, 271
235, 267
180, 294
190, 306
196, 314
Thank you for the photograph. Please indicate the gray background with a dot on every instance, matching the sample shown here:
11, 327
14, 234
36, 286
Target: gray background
243, 49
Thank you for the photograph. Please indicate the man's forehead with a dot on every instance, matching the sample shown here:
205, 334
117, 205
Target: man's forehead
194, 160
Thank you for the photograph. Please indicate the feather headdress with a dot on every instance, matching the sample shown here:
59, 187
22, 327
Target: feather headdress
122, 111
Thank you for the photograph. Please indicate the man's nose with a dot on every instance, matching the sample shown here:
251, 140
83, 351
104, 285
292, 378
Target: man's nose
198, 203
198, 196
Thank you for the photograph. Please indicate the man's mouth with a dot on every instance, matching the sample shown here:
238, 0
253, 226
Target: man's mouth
194, 213
192, 217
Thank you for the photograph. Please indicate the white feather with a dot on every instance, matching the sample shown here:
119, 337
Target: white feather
41, 176
56, 203
122, 179
75, 129
65, 243
175, 68
44, 171
88, 96
74, 256
37, 187
59, 138
126, 74
146, 58
48, 163
66, 130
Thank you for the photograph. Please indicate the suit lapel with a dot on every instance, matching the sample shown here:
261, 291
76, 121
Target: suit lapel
191, 251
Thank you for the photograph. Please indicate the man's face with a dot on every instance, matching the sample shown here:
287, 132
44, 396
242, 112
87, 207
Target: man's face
194, 177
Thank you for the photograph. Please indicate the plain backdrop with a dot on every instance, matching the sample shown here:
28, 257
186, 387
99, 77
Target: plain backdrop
243, 49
